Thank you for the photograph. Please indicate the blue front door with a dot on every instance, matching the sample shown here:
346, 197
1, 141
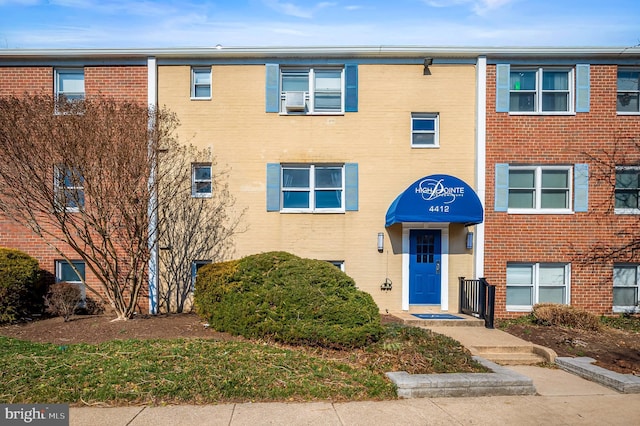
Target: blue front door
424, 267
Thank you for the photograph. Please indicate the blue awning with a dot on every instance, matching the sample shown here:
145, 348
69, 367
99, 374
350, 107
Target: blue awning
436, 198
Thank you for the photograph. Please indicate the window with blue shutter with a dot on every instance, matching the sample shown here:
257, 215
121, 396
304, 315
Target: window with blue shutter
583, 87
501, 202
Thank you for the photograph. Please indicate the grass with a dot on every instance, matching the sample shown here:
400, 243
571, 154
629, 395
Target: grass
623, 322
200, 371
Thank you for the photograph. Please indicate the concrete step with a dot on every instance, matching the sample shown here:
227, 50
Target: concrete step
513, 358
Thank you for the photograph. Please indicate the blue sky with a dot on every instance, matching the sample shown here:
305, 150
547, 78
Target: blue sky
26, 24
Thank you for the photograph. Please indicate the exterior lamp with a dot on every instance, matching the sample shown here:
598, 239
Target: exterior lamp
469, 240
380, 242
427, 63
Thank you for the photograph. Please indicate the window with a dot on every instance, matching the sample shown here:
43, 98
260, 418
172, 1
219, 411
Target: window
531, 283
73, 273
312, 188
195, 267
312, 90
627, 193
201, 180
69, 84
625, 288
628, 91
424, 130
69, 188
337, 263
541, 90
539, 188
201, 83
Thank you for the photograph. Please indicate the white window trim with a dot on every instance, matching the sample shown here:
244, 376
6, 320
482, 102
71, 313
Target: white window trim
194, 181
60, 187
311, 189
571, 109
68, 70
80, 284
195, 265
337, 263
436, 132
626, 91
193, 84
536, 284
309, 95
619, 210
538, 191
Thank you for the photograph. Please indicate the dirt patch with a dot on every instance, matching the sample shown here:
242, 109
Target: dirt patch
101, 328
613, 349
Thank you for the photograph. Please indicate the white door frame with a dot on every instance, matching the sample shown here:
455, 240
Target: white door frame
444, 269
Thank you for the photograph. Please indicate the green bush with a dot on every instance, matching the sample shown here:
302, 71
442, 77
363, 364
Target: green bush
283, 297
21, 290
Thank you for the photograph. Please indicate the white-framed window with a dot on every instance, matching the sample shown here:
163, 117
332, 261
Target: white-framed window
69, 84
540, 189
425, 129
312, 188
628, 94
531, 283
312, 90
72, 273
201, 83
626, 283
541, 90
627, 192
68, 188
195, 267
201, 180
337, 263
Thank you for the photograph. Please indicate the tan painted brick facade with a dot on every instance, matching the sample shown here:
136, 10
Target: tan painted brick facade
558, 140
243, 137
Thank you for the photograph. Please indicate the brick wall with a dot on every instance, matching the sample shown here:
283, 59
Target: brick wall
559, 140
119, 82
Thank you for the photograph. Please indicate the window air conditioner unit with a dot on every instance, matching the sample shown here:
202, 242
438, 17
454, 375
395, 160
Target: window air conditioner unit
294, 101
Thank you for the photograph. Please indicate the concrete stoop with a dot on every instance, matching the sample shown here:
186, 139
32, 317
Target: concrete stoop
515, 354
501, 381
584, 367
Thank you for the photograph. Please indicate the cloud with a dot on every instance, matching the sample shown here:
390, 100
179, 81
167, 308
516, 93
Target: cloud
480, 7
292, 9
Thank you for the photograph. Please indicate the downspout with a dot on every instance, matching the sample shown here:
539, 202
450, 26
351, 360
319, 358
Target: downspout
152, 209
481, 158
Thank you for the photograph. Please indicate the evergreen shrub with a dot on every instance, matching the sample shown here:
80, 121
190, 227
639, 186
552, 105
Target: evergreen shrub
289, 299
21, 289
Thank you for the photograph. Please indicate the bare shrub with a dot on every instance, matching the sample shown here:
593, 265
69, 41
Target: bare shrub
564, 315
63, 299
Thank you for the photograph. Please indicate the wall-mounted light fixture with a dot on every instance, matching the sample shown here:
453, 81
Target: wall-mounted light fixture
427, 63
380, 242
469, 240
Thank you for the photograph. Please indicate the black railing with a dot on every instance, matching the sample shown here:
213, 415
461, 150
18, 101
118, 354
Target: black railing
478, 298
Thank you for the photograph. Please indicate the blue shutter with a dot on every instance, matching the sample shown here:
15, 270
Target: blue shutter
273, 187
501, 202
583, 87
351, 186
273, 88
502, 87
581, 187
351, 88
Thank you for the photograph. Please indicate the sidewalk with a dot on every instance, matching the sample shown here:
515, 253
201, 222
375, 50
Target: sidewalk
564, 399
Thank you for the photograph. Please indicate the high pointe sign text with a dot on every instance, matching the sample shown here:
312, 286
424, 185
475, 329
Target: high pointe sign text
431, 189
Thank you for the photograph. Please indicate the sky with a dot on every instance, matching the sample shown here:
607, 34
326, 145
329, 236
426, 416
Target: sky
93, 24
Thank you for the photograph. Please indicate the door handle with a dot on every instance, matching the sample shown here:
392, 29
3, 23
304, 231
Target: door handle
437, 266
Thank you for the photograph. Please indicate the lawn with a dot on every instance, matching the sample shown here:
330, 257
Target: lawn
206, 371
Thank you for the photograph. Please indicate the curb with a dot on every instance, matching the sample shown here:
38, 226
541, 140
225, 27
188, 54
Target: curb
583, 367
501, 382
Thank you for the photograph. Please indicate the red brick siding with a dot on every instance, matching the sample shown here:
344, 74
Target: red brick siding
119, 82
557, 238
